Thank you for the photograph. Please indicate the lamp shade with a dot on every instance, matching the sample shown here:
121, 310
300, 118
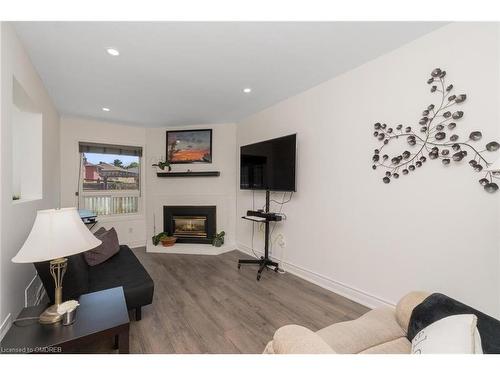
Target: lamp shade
56, 233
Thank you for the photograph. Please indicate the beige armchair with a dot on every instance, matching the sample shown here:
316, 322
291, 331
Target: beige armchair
379, 331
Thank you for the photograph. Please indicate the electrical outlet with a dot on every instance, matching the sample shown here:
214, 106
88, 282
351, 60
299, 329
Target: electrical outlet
280, 240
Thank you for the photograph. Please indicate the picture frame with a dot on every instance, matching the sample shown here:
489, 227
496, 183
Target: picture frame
189, 146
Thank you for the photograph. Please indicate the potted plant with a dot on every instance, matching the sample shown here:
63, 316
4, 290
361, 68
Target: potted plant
165, 239
162, 165
218, 240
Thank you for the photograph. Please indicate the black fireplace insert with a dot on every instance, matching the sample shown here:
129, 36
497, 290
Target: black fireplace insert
190, 224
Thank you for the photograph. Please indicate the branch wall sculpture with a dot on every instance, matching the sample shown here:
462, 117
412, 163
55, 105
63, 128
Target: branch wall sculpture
435, 139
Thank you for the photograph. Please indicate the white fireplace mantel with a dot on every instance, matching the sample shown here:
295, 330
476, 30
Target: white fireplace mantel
189, 248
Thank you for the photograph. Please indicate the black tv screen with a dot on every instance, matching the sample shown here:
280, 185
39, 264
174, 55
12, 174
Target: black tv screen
269, 165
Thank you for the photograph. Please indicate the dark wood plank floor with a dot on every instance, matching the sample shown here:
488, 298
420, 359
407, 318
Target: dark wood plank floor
204, 304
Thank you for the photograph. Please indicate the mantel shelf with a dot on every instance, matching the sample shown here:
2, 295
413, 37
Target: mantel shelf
189, 174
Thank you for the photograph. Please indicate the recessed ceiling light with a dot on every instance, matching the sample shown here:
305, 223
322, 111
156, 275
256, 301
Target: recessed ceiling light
113, 51
106, 109
247, 90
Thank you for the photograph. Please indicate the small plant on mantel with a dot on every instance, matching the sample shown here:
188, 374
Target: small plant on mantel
162, 165
218, 240
165, 239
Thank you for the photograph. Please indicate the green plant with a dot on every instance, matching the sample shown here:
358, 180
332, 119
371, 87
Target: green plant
134, 164
159, 237
16, 197
162, 165
218, 239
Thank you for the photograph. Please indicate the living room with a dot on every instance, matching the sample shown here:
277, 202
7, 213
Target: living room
209, 187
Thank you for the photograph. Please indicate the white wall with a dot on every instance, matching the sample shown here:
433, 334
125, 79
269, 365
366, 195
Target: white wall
27, 138
218, 191
4, 320
27, 169
17, 218
130, 228
135, 230
435, 230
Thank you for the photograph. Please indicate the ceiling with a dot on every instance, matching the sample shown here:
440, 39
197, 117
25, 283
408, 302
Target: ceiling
171, 73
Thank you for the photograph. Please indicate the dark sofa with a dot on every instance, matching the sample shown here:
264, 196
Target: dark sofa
122, 269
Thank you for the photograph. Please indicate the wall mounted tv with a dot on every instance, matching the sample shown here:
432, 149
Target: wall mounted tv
269, 165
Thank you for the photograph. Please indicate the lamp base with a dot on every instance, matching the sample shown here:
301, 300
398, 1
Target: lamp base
57, 270
50, 316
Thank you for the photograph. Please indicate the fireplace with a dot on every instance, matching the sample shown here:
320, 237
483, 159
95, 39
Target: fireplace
190, 224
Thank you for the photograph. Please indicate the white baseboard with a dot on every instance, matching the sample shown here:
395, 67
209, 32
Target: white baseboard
136, 244
7, 322
190, 249
354, 294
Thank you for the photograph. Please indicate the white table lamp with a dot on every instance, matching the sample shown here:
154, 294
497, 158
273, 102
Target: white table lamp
56, 234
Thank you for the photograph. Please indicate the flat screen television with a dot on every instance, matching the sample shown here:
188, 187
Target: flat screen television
269, 165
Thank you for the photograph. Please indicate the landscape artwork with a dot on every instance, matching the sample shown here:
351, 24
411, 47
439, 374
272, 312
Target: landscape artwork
189, 146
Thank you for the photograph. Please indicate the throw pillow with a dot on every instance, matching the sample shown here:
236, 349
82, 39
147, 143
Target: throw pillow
455, 334
104, 251
100, 231
438, 306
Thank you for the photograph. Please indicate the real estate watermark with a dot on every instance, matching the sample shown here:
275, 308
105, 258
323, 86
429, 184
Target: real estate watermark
31, 350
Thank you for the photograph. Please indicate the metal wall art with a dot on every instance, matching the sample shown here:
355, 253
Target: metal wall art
435, 140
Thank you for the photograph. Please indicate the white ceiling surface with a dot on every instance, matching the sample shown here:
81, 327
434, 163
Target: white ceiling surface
192, 73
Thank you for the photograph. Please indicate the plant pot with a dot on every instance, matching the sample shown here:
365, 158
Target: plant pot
218, 242
169, 241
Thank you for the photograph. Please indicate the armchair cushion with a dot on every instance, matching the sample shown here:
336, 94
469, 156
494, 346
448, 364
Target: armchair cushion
374, 328
294, 339
398, 346
405, 307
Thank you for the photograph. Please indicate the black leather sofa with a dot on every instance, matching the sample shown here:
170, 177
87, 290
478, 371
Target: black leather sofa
122, 269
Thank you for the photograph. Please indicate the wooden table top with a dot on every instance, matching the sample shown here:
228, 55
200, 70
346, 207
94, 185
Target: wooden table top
99, 313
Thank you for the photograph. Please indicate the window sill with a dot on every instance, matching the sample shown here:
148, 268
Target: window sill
26, 200
124, 217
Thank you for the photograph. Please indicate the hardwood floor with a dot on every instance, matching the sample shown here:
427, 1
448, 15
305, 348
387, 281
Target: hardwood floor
204, 304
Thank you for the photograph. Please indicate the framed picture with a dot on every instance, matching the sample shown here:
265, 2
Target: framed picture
189, 146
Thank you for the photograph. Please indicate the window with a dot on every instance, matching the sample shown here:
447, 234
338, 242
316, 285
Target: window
110, 178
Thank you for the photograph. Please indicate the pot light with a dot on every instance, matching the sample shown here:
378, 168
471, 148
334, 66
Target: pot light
247, 90
113, 51
106, 109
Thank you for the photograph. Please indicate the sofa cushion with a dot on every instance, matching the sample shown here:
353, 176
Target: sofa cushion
397, 346
294, 339
375, 327
123, 269
105, 250
438, 306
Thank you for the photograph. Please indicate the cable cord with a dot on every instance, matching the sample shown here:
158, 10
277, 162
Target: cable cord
271, 242
253, 224
26, 319
282, 203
